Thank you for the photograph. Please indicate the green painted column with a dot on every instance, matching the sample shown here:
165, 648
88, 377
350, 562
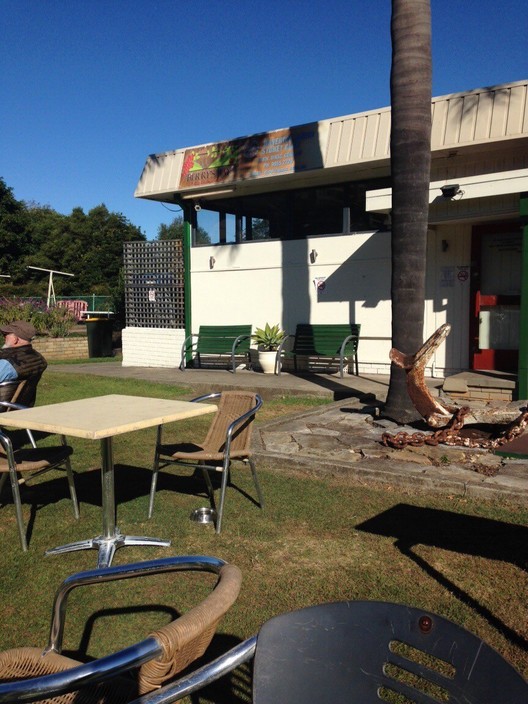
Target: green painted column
187, 238
522, 381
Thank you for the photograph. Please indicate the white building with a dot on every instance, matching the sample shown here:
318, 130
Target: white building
298, 222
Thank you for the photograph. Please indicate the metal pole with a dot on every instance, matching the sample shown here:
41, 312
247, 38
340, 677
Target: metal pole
522, 378
187, 237
50, 288
107, 485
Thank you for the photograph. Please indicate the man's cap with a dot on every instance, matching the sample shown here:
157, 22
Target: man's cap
21, 328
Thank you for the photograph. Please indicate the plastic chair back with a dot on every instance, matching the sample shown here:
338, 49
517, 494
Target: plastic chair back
367, 651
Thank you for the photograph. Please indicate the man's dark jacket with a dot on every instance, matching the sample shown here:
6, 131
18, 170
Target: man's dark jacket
28, 364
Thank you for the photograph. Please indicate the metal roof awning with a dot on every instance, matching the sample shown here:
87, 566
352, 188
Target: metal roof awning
344, 148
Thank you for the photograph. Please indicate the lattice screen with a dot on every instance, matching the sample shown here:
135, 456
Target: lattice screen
154, 285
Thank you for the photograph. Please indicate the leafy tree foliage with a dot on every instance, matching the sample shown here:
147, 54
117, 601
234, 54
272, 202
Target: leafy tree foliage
88, 245
260, 229
174, 231
14, 232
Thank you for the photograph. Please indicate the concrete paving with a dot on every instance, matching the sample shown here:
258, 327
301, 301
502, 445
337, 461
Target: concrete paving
343, 437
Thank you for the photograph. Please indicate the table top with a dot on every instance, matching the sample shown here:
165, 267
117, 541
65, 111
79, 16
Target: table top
104, 416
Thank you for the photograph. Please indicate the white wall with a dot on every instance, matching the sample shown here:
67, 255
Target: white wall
259, 282
152, 347
447, 295
273, 282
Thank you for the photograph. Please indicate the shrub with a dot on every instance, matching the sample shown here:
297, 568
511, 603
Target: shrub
53, 321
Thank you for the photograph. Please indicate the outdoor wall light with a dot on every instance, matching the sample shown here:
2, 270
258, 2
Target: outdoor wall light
445, 245
313, 256
450, 190
212, 262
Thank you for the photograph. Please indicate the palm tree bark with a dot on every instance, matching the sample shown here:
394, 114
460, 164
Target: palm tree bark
410, 85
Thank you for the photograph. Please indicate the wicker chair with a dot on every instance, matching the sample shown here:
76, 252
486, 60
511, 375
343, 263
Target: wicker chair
135, 670
21, 393
364, 652
9, 391
30, 462
228, 438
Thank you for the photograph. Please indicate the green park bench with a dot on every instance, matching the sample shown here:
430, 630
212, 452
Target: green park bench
322, 341
217, 341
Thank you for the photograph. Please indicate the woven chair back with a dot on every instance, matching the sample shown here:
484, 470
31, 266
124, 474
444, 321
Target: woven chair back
182, 641
187, 638
27, 395
232, 405
10, 391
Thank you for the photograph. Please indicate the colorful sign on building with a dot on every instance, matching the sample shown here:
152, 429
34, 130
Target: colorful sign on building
268, 154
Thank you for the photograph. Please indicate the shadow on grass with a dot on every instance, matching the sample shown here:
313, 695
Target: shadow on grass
131, 483
81, 653
38, 495
191, 482
467, 535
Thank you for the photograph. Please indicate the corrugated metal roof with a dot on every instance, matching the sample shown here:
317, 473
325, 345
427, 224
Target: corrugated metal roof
477, 117
459, 119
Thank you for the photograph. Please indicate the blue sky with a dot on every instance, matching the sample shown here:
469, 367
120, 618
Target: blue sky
90, 88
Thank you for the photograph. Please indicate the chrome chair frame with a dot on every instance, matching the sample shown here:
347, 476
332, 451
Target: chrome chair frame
24, 390
7, 446
8, 389
205, 468
109, 666
10, 406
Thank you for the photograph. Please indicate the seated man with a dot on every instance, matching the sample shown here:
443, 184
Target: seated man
18, 359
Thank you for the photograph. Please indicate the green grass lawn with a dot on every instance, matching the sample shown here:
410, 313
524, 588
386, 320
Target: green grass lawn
317, 540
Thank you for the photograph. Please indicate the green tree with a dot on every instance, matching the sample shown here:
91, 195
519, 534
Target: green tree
174, 231
90, 246
14, 234
410, 145
260, 229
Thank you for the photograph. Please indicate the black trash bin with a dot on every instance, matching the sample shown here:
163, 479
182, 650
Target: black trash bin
99, 333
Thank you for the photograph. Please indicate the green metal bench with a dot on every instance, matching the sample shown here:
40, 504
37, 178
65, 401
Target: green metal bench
217, 341
329, 341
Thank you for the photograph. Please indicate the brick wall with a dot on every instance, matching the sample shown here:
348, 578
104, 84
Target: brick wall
152, 347
58, 348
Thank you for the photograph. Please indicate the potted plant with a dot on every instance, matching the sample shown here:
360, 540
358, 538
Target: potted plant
268, 340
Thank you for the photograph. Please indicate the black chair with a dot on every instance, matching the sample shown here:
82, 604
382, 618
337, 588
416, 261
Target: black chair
364, 652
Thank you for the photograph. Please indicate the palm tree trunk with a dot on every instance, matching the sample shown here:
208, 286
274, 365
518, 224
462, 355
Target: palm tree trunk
410, 170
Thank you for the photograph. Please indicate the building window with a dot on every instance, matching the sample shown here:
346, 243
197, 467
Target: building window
286, 215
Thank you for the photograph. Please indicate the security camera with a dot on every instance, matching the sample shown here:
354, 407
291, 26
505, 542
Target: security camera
451, 190
197, 207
